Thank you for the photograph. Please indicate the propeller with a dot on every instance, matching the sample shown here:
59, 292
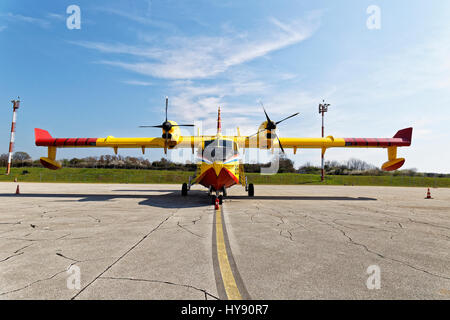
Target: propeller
167, 126
272, 125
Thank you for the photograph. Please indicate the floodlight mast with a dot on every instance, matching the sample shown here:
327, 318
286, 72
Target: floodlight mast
16, 104
323, 107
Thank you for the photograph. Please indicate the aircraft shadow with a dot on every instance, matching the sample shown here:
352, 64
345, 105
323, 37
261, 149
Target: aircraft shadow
302, 198
172, 199
167, 200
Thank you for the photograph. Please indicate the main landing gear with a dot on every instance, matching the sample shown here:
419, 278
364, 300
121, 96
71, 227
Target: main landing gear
250, 188
184, 189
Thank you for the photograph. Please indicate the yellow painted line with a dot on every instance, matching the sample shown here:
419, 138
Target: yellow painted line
225, 269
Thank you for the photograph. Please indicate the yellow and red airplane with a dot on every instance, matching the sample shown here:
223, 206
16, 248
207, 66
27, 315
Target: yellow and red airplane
219, 164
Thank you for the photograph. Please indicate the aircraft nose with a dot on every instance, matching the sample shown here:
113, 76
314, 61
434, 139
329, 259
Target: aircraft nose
217, 166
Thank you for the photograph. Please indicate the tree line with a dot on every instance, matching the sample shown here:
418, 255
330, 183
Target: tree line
286, 165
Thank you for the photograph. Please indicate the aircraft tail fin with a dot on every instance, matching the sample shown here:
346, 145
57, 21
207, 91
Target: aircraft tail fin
219, 123
404, 134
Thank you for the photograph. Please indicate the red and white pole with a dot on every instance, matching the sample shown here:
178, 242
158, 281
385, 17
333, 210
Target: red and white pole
322, 171
16, 104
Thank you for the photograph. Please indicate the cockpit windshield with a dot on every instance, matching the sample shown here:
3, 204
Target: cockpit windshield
218, 150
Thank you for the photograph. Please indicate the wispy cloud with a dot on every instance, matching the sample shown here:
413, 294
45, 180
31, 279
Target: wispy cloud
204, 57
137, 83
141, 19
3, 28
26, 19
56, 16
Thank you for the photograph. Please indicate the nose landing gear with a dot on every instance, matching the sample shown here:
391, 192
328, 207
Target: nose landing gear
218, 197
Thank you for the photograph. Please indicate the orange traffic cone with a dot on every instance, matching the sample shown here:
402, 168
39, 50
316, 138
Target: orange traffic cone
216, 204
17, 190
428, 194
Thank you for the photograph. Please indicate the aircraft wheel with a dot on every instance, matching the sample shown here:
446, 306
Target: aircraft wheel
184, 189
224, 191
251, 190
213, 199
220, 199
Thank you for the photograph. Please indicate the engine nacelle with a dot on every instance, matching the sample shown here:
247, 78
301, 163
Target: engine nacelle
173, 134
265, 137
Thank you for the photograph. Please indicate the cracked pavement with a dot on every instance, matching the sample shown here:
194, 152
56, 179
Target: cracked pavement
288, 242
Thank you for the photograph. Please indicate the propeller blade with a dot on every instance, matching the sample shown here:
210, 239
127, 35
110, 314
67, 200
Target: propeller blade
287, 118
267, 117
279, 142
257, 133
167, 103
158, 126
183, 125
165, 145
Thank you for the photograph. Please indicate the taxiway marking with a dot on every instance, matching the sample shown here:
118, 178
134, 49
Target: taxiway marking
229, 282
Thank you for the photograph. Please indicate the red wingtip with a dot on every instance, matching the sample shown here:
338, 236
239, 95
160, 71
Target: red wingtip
41, 136
405, 134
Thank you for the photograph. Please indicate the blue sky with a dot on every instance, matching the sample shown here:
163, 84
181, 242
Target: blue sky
112, 74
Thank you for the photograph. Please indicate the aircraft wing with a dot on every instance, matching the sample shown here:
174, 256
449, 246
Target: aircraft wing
44, 139
401, 139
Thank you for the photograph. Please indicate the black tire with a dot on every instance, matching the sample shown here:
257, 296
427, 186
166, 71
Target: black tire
220, 199
224, 191
184, 190
213, 199
251, 190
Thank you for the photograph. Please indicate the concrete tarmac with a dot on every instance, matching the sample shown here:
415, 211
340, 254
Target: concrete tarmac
288, 242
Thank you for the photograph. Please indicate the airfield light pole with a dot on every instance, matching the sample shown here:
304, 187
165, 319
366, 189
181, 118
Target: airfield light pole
16, 104
323, 107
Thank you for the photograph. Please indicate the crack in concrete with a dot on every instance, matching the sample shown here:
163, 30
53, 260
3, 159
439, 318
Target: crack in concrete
187, 230
289, 236
205, 292
11, 256
23, 248
33, 240
65, 257
12, 223
123, 255
379, 254
37, 281
195, 220
428, 223
96, 219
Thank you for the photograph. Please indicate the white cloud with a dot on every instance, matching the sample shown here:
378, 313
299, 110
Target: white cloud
3, 28
204, 57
